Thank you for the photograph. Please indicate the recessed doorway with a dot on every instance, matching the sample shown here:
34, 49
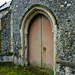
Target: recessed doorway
40, 42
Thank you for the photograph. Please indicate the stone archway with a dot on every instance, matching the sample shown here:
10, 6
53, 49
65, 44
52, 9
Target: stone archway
29, 15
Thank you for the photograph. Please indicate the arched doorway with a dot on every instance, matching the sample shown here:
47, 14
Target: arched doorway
41, 50
24, 28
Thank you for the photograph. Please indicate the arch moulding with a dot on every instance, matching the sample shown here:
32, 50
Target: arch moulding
34, 10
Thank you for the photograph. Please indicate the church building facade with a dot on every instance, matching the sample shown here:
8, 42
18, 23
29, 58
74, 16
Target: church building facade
39, 33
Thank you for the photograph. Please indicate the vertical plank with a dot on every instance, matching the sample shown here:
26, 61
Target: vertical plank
41, 43
35, 42
47, 43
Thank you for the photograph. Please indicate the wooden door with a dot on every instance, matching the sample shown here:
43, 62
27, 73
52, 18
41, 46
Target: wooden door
41, 42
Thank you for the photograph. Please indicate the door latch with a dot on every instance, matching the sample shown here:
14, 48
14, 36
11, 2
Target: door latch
44, 49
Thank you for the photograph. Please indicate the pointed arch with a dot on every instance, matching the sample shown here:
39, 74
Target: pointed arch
24, 25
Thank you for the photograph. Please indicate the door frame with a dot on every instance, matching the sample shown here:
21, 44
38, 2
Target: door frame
24, 25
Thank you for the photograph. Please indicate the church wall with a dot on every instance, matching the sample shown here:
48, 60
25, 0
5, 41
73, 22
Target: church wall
5, 34
63, 11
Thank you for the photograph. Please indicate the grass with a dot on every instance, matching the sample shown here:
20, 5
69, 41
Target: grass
18, 70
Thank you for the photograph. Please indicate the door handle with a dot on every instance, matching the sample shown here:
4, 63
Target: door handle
44, 49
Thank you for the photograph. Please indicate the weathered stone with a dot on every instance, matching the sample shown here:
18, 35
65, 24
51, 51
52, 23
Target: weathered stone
65, 16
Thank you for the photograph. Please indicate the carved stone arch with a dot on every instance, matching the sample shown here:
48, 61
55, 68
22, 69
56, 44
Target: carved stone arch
29, 15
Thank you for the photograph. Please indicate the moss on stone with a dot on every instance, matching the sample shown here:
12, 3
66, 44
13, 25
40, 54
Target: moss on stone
19, 70
8, 53
6, 64
66, 63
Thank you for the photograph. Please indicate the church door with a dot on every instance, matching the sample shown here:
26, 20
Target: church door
41, 50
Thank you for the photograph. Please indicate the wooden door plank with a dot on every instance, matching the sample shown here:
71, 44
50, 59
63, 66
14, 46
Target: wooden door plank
47, 43
35, 42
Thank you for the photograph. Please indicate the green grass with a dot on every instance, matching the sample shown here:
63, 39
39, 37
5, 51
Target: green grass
18, 70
